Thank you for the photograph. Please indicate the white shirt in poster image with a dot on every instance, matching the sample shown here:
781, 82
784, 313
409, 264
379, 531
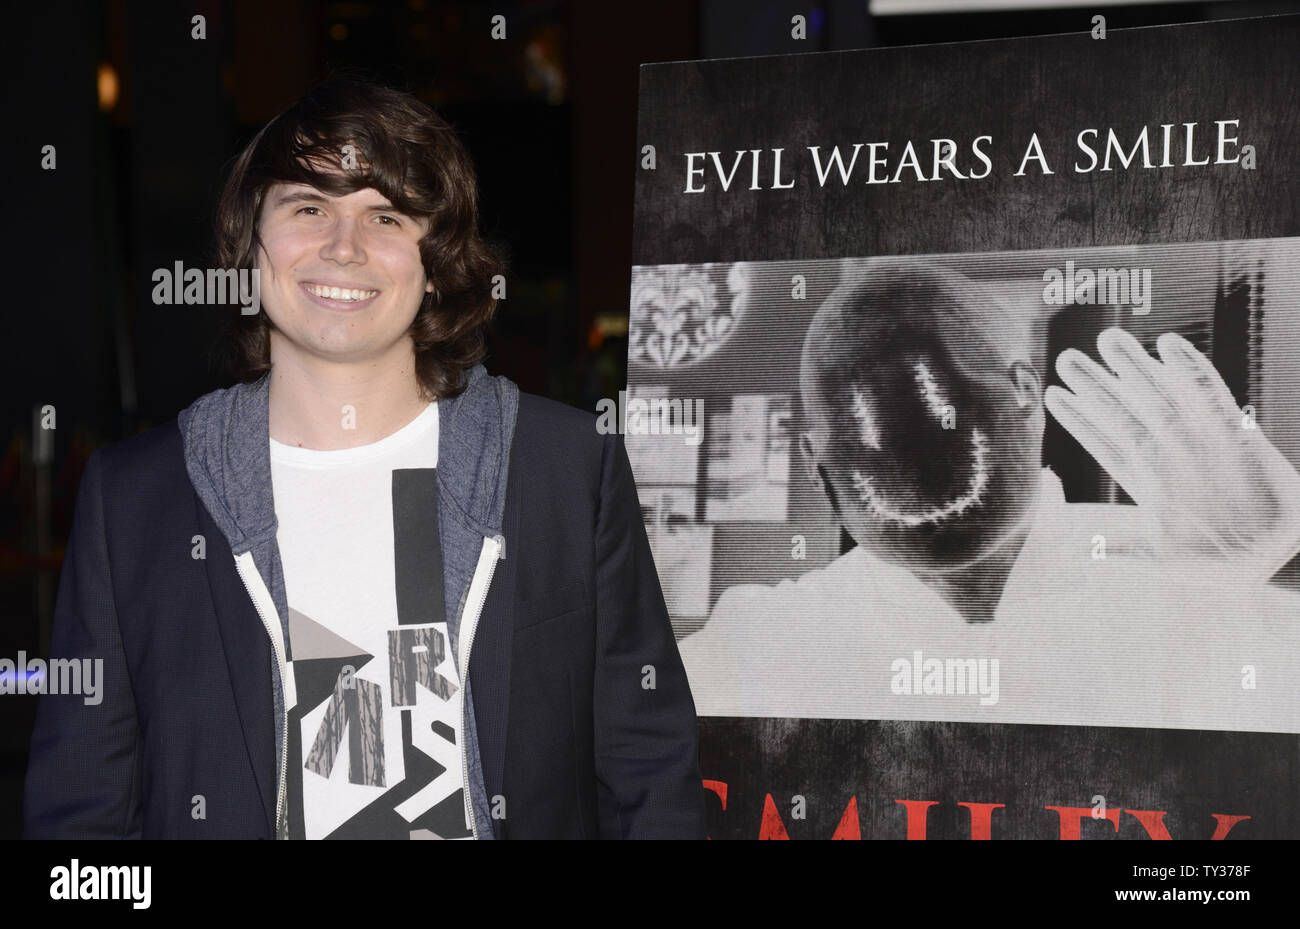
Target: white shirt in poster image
976, 593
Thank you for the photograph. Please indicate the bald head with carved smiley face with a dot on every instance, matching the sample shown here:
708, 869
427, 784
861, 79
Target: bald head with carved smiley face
923, 427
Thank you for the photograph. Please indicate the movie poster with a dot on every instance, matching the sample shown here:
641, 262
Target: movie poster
964, 405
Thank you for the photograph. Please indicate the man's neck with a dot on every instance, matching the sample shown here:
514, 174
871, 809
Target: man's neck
320, 405
975, 591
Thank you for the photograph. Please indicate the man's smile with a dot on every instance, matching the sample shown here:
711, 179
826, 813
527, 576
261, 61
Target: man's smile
971, 497
335, 296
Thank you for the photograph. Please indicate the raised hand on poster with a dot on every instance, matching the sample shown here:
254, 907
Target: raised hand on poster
1169, 432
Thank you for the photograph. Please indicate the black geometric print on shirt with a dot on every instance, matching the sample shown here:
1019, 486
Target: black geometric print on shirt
357, 707
417, 548
326, 668
445, 731
413, 655
380, 820
317, 678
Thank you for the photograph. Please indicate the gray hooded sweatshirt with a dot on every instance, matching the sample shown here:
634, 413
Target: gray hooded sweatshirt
228, 457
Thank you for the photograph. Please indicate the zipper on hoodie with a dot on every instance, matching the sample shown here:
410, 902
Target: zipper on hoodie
262, 602
487, 565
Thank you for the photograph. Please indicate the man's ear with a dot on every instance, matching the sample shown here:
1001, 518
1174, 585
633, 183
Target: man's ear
1028, 388
806, 449
829, 491
809, 452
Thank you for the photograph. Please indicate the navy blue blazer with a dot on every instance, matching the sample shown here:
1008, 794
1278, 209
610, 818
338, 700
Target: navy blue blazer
568, 731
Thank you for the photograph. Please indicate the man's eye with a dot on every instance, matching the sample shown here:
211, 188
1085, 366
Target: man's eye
308, 208
390, 220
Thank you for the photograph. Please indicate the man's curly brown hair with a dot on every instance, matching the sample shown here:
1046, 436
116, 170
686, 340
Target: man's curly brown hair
412, 156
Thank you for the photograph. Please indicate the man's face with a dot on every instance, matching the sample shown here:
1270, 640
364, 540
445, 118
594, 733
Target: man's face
931, 449
313, 243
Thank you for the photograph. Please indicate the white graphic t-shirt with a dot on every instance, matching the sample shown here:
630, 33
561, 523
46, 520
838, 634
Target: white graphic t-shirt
374, 741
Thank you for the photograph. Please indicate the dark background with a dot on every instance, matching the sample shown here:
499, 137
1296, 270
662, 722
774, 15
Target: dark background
144, 120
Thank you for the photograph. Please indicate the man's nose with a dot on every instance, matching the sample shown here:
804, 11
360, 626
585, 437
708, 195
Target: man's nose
343, 244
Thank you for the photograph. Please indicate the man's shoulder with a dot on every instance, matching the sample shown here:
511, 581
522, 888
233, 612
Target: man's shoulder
140, 482
1125, 529
743, 607
148, 455
554, 430
544, 410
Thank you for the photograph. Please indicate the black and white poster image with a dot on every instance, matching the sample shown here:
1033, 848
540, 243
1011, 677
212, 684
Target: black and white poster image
1055, 487
964, 407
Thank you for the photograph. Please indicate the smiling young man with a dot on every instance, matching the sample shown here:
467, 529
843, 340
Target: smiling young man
370, 591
